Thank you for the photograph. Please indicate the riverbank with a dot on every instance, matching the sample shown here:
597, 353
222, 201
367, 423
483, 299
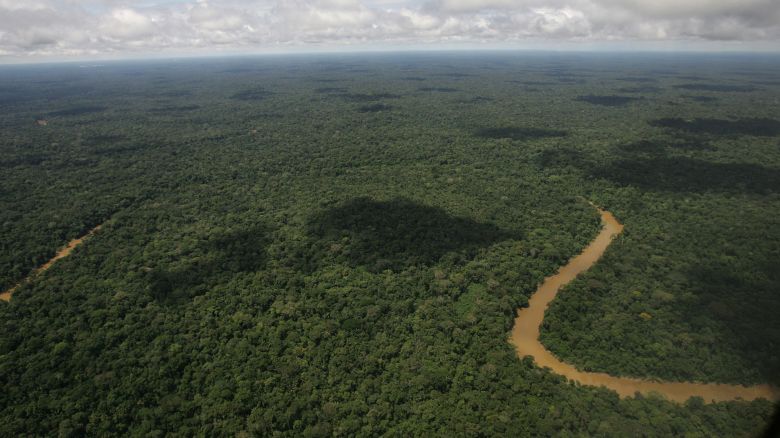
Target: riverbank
62, 253
525, 338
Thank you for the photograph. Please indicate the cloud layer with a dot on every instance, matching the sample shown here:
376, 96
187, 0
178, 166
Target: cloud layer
61, 28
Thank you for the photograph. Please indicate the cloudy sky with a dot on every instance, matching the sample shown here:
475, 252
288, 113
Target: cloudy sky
33, 30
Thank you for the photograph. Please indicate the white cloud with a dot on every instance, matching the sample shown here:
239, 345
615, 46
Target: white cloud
562, 22
472, 5
126, 24
208, 18
33, 28
687, 8
418, 20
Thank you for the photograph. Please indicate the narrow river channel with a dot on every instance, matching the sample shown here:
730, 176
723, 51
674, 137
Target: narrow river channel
525, 338
64, 252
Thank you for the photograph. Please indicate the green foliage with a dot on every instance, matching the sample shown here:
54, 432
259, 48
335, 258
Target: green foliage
513, 133
717, 87
610, 100
375, 108
750, 126
397, 234
275, 262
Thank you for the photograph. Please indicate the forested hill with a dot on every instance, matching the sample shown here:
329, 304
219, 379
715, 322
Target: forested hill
336, 245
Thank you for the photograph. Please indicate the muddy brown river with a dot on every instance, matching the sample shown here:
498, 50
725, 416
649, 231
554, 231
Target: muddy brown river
64, 252
525, 338
525, 333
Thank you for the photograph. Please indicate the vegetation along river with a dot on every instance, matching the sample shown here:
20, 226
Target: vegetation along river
525, 333
64, 252
525, 338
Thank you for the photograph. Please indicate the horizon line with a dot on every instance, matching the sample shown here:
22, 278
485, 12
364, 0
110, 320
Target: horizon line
20, 62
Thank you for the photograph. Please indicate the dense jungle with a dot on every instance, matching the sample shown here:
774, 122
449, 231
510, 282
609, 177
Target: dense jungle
336, 245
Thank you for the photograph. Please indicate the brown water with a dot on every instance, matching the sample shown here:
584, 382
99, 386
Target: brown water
64, 252
525, 338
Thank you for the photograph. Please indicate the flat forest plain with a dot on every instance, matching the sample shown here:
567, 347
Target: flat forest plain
337, 245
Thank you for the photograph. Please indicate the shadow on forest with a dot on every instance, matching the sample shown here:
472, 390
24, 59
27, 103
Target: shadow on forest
476, 99
364, 97
691, 78
454, 75
640, 89
22, 93
561, 157
701, 99
254, 94
398, 233
533, 83
683, 174
115, 144
175, 93
717, 87
514, 133
97, 140
639, 79
375, 108
655, 148
173, 109
331, 90
727, 294
570, 80
649, 166
642, 148
23, 160
659, 149
222, 257
78, 111
610, 100
438, 89
753, 126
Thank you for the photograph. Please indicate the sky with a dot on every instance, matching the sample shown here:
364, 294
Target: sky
38, 30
